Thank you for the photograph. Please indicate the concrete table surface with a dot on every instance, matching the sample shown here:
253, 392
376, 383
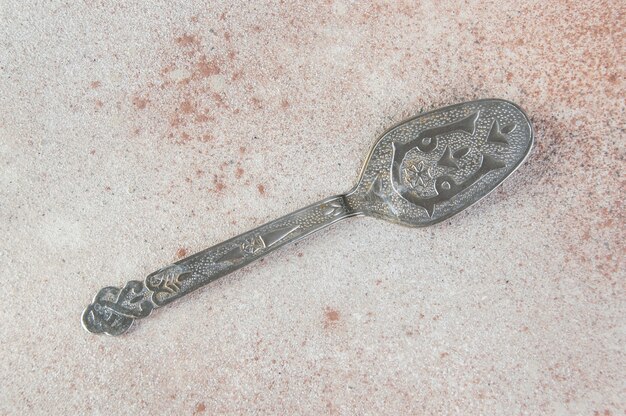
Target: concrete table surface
135, 133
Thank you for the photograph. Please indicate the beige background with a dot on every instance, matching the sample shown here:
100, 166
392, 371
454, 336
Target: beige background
135, 133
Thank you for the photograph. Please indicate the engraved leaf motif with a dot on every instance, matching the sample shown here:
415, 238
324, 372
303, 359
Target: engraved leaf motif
375, 192
508, 128
333, 208
461, 152
377, 185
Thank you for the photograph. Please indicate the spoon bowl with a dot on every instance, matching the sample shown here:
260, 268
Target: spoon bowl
430, 167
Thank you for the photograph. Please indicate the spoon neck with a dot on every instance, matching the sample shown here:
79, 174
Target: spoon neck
353, 203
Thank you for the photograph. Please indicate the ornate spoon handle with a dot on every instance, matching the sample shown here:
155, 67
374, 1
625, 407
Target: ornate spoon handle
114, 309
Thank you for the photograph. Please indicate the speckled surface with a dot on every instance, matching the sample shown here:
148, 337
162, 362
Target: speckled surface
133, 134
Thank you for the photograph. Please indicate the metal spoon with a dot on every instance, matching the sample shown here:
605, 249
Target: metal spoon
419, 172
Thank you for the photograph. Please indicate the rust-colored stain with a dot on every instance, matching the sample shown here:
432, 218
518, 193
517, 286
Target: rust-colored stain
237, 75
184, 137
239, 172
331, 317
190, 98
261, 189
257, 103
140, 102
181, 252
206, 68
187, 40
95, 84
200, 408
219, 100
186, 107
218, 183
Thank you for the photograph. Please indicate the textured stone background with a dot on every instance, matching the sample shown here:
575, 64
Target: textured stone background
135, 133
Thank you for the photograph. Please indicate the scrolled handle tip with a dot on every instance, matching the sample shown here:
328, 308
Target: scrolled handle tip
98, 320
114, 310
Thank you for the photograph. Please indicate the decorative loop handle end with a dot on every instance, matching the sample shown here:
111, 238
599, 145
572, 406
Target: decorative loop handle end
114, 310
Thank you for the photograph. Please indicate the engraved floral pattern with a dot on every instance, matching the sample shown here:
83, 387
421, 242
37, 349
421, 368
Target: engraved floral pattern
252, 245
418, 175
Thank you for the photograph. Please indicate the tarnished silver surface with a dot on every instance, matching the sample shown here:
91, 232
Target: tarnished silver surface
420, 172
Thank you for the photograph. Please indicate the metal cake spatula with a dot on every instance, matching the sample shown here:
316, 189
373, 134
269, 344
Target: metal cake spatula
419, 172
